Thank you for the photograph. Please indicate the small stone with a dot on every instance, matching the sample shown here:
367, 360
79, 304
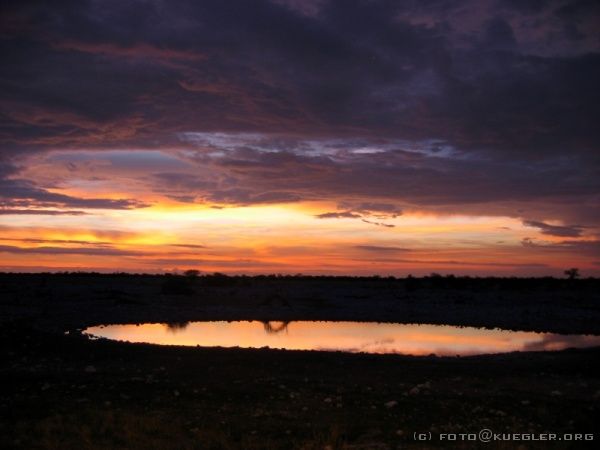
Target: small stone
90, 369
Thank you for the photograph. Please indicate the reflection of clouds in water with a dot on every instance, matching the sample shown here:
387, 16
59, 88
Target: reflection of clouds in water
355, 337
561, 342
463, 351
377, 346
377, 343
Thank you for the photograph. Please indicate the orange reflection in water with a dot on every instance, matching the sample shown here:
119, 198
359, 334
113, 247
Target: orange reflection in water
368, 337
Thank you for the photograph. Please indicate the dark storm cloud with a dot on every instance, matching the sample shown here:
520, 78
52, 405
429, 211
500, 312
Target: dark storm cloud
354, 215
338, 215
583, 247
382, 210
111, 69
396, 174
379, 224
502, 93
554, 230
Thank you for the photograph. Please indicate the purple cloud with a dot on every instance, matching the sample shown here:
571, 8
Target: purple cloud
477, 107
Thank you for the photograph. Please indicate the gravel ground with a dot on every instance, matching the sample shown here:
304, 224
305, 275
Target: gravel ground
65, 391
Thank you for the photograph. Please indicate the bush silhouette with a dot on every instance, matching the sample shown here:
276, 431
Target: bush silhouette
176, 285
218, 280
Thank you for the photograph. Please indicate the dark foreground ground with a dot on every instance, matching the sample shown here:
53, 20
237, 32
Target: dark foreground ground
64, 391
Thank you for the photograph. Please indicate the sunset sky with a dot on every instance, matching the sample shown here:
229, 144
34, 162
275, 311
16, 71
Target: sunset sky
300, 136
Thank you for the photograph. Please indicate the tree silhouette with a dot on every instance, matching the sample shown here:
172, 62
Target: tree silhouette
572, 273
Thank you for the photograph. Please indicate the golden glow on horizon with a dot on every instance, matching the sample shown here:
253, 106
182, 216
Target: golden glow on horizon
285, 238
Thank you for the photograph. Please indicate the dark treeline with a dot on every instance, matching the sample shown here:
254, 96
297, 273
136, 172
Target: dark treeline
433, 281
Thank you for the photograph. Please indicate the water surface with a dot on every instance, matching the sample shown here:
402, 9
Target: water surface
368, 337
